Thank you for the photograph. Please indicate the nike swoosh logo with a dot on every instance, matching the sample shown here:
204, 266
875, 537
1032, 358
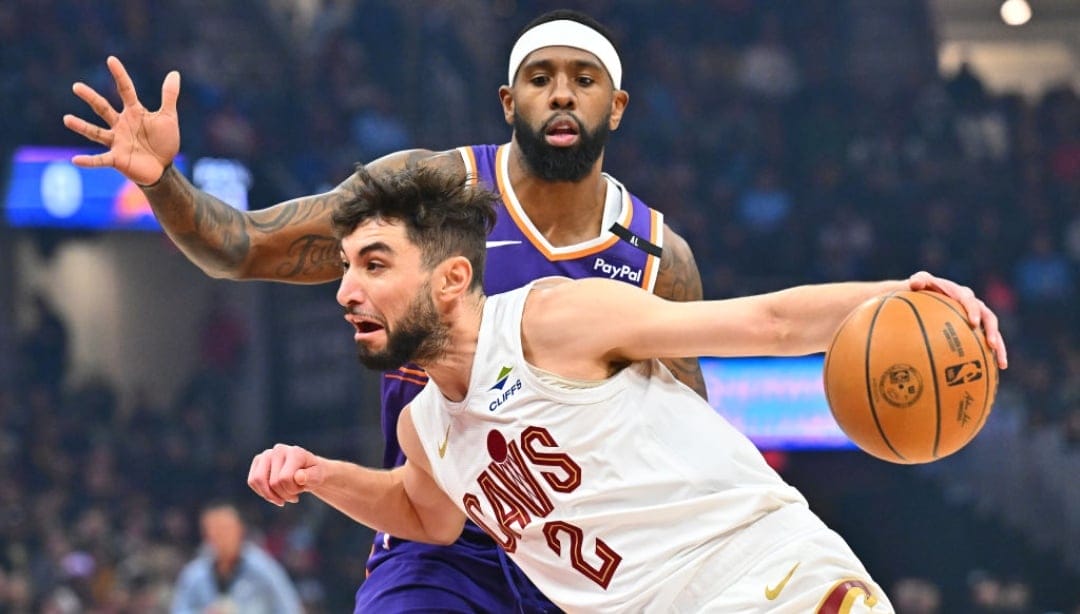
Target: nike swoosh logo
491, 244
445, 441
773, 593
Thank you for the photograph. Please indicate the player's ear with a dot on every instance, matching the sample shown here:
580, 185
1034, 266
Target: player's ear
454, 276
619, 100
507, 99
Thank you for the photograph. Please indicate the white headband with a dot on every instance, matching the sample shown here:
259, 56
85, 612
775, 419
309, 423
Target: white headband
566, 33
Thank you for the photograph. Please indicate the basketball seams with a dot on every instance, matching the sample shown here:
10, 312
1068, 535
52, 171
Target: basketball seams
933, 371
869, 380
987, 397
829, 353
894, 370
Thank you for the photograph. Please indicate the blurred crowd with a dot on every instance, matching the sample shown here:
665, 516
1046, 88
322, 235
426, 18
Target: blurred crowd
744, 127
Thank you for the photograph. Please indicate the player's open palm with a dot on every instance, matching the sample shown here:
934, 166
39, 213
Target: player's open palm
141, 143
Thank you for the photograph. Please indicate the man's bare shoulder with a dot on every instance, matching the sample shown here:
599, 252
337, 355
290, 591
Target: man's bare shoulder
552, 281
553, 297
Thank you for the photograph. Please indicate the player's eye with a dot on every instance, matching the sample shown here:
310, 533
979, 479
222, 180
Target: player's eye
539, 80
585, 80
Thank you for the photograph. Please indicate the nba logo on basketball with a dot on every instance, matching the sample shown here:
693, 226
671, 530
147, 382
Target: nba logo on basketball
905, 395
963, 373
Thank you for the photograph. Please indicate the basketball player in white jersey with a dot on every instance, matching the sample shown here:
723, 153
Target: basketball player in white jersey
562, 216
549, 422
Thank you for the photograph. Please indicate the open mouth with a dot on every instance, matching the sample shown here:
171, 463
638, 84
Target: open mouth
364, 326
562, 132
367, 327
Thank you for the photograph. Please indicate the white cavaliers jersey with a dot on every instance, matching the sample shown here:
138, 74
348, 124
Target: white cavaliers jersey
626, 496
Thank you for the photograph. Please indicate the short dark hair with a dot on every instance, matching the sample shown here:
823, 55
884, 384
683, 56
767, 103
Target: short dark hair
443, 214
572, 15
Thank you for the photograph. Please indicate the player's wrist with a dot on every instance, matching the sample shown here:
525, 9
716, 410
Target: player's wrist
149, 186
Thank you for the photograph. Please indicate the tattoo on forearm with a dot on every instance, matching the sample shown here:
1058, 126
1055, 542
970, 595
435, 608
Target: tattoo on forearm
210, 232
310, 254
220, 230
294, 212
219, 238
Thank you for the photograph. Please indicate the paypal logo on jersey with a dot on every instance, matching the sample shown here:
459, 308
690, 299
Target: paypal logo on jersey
500, 385
615, 271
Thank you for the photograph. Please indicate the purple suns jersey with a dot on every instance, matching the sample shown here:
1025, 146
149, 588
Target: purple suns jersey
628, 250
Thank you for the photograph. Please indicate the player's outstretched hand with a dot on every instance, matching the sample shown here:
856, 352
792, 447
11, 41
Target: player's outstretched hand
281, 473
141, 143
977, 311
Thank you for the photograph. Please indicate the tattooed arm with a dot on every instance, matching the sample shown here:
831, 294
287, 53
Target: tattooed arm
679, 280
291, 241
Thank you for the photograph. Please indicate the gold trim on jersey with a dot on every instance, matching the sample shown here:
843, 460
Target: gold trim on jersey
413, 376
517, 213
472, 172
656, 237
843, 595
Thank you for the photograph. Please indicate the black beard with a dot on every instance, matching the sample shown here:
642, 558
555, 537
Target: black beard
561, 163
419, 337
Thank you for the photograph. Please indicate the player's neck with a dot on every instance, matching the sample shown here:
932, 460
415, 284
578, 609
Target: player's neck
452, 370
564, 212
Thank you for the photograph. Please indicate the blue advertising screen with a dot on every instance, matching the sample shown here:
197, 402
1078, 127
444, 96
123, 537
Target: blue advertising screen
46, 190
779, 403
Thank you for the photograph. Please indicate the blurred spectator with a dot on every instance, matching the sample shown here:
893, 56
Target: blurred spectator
44, 349
845, 243
1045, 281
1015, 596
916, 596
765, 206
232, 575
378, 129
223, 337
965, 88
767, 68
984, 592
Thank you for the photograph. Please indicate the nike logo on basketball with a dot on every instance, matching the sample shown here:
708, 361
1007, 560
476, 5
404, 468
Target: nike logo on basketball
773, 593
491, 244
445, 441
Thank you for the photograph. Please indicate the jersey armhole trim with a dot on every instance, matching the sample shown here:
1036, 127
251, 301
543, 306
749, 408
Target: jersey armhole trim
652, 263
468, 158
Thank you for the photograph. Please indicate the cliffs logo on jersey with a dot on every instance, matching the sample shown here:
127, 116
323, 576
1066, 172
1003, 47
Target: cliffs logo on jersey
500, 385
511, 489
617, 271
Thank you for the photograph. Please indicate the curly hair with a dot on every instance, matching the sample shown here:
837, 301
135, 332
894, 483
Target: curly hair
443, 214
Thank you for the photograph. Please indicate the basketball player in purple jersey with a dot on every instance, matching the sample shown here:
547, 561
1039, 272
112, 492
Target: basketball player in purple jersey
561, 216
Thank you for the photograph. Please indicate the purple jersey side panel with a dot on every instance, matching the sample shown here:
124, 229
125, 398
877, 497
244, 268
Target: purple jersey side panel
398, 389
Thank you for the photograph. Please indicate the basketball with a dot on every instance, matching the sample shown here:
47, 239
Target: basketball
908, 379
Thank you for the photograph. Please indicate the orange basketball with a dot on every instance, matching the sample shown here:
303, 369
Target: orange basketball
908, 379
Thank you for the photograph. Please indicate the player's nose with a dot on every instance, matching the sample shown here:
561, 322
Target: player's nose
349, 291
562, 93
